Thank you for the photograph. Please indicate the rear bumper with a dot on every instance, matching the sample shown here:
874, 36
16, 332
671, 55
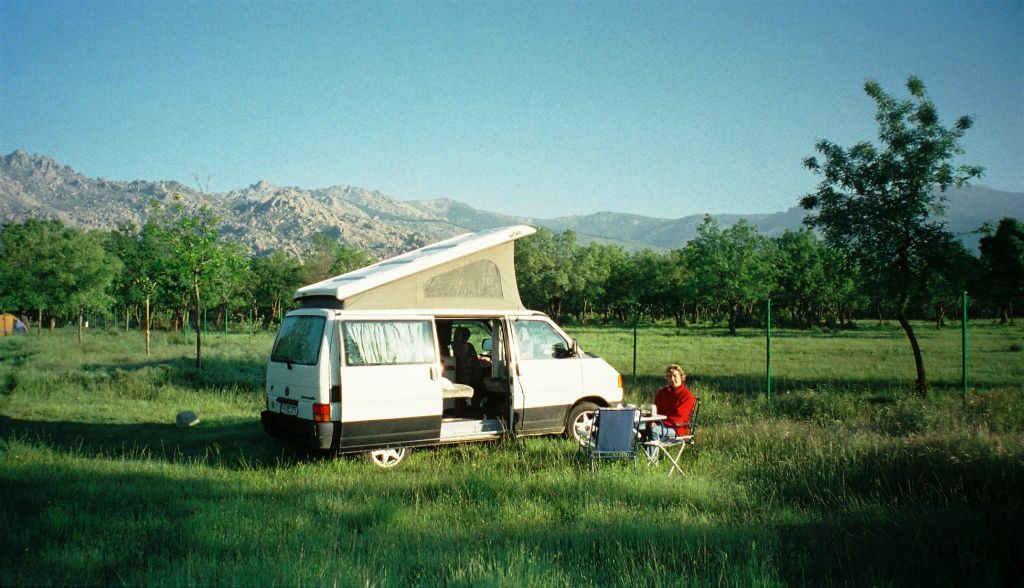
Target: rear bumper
301, 432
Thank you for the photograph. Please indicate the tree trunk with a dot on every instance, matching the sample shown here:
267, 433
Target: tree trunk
733, 310
39, 323
147, 326
127, 317
52, 322
199, 324
922, 383
80, 319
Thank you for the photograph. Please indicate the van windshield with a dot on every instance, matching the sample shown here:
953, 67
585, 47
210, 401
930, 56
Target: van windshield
299, 340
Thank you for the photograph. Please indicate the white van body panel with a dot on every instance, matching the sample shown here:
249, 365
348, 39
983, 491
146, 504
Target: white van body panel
411, 390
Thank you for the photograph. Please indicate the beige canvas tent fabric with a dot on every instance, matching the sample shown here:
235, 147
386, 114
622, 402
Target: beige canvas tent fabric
483, 280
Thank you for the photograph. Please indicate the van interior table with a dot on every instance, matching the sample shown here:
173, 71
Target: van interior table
457, 391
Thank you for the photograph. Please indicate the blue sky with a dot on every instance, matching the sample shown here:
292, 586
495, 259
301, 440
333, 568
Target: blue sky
534, 108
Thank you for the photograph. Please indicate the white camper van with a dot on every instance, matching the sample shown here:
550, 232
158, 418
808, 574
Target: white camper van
430, 347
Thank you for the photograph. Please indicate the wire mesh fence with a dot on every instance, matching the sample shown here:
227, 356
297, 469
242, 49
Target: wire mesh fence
873, 356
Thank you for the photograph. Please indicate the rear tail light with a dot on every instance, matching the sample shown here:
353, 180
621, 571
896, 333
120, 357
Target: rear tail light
321, 413
620, 380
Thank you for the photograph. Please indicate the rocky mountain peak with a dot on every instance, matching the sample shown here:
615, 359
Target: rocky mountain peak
263, 187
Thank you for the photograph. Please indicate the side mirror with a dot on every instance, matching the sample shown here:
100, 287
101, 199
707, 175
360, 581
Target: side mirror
572, 351
487, 345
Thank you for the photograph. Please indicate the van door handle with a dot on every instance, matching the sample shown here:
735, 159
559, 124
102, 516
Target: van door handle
433, 373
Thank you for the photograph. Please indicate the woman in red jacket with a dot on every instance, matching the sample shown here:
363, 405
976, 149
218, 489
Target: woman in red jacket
675, 402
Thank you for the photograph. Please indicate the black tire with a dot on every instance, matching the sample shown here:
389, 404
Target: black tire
579, 421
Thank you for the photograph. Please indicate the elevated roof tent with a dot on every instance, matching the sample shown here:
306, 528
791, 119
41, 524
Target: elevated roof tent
470, 271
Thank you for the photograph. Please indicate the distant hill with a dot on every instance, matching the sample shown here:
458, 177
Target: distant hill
265, 218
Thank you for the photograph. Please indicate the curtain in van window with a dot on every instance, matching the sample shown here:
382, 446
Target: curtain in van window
388, 342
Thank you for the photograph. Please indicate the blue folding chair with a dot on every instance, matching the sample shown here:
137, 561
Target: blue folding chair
614, 434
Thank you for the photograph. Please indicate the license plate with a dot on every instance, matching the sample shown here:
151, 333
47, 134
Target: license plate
290, 409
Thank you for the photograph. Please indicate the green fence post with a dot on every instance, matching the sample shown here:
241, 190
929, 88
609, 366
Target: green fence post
636, 320
963, 344
768, 353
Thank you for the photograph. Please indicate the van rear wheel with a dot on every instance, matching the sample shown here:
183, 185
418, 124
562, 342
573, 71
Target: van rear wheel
388, 458
579, 422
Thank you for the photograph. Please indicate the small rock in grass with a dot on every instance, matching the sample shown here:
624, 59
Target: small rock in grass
187, 419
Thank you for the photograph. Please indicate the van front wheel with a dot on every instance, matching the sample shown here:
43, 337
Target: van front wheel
579, 422
388, 458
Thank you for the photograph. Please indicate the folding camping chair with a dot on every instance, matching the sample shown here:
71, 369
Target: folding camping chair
614, 434
676, 444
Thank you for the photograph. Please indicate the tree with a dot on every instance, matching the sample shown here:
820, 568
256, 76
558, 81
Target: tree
1002, 253
544, 270
57, 268
88, 271
327, 258
31, 255
198, 252
880, 203
733, 266
273, 281
801, 279
813, 282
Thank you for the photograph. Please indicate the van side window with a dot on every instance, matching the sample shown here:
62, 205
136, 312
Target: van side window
299, 340
537, 340
388, 342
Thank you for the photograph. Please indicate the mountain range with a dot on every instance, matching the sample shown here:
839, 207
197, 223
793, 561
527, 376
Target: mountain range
264, 217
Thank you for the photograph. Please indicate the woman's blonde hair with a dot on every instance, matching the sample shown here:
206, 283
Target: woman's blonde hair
672, 367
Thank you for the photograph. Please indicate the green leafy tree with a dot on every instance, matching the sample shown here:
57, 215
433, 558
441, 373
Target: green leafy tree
228, 291
592, 267
814, 282
880, 203
32, 260
1002, 255
85, 283
57, 268
731, 266
801, 278
327, 258
544, 271
954, 270
198, 253
273, 281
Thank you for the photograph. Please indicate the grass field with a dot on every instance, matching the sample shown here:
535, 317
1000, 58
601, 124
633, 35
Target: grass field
841, 477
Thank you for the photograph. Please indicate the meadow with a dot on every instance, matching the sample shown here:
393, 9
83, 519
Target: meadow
841, 477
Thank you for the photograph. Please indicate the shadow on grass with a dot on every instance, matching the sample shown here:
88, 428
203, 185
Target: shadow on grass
217, 372
94, 527
232, 444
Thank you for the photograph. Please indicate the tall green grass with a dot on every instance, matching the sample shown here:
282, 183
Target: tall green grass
842, 477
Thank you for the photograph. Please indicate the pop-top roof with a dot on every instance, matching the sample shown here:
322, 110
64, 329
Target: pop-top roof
474, 270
